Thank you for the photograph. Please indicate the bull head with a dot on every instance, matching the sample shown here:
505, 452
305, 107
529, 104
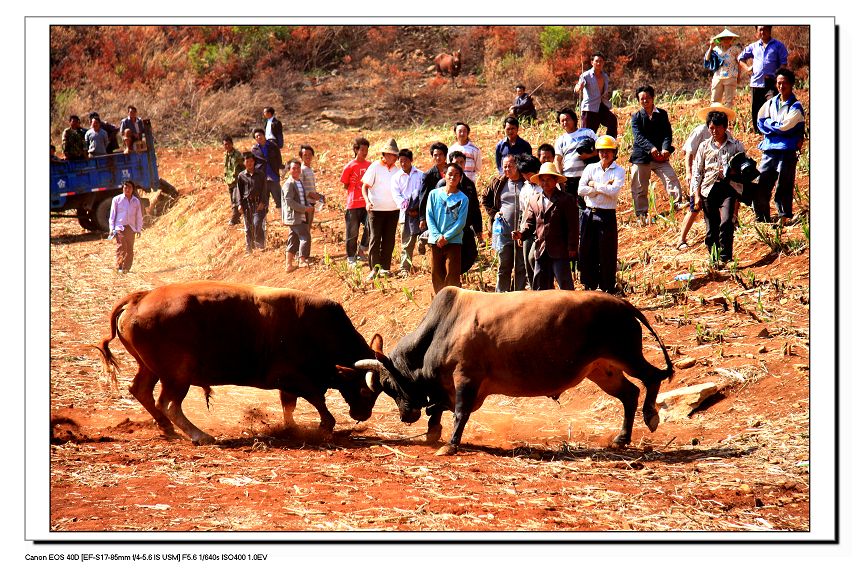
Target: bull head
408, 404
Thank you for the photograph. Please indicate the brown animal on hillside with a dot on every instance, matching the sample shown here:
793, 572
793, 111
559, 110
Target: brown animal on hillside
209, 333
521, 344
447, 64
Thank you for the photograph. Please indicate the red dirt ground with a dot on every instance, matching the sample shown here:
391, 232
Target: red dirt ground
739, 463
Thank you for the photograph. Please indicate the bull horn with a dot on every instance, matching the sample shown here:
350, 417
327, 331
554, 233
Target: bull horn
369, 365
372, 382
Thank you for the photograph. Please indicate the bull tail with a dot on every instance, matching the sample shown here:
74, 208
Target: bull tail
110, 366
207, 392
669, 371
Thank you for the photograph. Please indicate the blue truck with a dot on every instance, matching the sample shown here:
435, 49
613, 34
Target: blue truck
88, 186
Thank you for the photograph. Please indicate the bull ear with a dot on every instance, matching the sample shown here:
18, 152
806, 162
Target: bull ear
376, 343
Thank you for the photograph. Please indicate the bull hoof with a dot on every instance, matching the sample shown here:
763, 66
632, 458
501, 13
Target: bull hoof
620, 441
447, 450
434, 434
204, 440
652, 420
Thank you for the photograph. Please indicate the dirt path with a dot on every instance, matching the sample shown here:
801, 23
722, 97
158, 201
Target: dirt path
740, 464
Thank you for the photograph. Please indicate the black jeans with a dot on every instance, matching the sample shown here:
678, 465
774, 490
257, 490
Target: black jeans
719, 208
383, 228
355, 217
598, 248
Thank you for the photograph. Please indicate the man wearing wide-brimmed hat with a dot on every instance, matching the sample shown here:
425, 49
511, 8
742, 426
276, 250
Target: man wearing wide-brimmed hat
382, 209
551, 217
725, 81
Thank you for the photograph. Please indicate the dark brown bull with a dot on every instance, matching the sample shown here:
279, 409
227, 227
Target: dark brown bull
448, 64
208, 333
523, 344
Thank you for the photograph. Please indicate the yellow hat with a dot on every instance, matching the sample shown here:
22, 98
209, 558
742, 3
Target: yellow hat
606, 142
548, 168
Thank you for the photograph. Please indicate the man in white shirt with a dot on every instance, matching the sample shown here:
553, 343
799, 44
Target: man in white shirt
406, 189
382, 211
126, 222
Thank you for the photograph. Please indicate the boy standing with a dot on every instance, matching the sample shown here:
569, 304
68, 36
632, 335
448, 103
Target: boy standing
447, 210
356, 209
126, 222
297, 213
253, 199
233, 162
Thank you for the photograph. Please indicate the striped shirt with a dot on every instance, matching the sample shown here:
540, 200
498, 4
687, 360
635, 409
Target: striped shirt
710, 164
473, 158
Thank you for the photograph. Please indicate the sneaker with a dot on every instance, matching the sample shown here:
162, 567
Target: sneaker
403, 273
371, 276
384, 273
351, 261
682, 246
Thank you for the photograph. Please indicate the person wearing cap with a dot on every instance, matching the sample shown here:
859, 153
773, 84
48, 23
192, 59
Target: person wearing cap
512, 144
551, 218
125, 222
524, 107
781, 120
715, 193
724, 83
382, 210
652, 146
767, 55
699, 134
596, 105
598, 226
447, 213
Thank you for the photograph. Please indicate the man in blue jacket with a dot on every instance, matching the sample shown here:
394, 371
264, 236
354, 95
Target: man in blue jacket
652, 146
781, 120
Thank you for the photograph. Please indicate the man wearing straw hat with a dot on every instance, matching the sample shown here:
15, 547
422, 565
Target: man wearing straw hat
382, 210
552, 218
699, 134
725, 80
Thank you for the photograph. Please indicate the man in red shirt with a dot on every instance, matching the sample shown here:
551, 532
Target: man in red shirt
356, 208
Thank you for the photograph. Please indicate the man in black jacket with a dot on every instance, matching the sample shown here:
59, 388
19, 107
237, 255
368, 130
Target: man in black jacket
652, 146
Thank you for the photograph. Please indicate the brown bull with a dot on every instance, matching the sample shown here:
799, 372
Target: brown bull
208, 333
448, 64
524, 344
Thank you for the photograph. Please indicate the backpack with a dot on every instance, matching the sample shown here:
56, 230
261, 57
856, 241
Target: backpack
714, 63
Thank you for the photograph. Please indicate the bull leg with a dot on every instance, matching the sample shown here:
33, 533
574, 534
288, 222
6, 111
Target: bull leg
172, 396
288, 403
434, 425
142, 388
614, 383
462, 409
651, 377
649, 407
327, 421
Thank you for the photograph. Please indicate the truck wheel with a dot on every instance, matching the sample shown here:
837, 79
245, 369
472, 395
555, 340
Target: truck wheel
101, 215
85, 218
166, 188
